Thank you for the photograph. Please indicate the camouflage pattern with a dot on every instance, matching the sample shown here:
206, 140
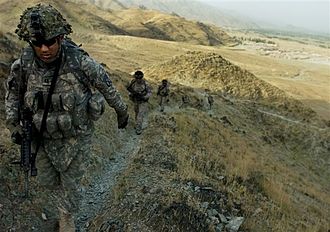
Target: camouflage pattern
210, 99
70, 118
73, 106
68, 174
48, 23
140, 92
185, 101
163, 92
141, 111
81, 89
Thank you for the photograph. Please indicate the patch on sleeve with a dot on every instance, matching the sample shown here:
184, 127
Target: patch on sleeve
107, 80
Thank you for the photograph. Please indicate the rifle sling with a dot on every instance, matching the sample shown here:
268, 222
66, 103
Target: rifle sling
46, 111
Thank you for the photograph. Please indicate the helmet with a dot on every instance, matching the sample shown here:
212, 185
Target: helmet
42, 21
138, 74
164, 81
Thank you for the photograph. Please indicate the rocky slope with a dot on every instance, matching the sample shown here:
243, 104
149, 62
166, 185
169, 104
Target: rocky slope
257, 161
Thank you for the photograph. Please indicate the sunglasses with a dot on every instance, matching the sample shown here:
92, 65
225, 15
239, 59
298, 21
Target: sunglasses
47, 43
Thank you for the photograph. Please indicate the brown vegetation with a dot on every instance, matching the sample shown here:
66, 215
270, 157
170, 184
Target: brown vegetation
259, 154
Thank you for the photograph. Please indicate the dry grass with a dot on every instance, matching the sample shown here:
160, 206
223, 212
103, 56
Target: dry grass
277, 178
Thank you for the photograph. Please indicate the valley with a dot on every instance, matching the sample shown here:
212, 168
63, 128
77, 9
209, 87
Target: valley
257, 161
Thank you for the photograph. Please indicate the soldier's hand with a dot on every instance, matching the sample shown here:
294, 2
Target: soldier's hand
16, 137
15, 129
122, 121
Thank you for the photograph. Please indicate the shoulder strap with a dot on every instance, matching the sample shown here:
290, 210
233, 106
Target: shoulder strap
44, 117
130, 87
74, 50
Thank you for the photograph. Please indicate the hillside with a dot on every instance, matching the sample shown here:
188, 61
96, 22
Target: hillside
152, 24
134, 22
258, 161
191, 9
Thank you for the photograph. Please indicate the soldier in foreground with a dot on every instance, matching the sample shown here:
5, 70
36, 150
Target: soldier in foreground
139, 93
163, 91
63, 91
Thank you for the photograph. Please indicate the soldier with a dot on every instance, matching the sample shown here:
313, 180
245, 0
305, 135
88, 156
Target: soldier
185, 101
139, 93
65, 90
163, 92
209, 98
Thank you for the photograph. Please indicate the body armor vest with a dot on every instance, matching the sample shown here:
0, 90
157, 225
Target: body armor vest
73, 105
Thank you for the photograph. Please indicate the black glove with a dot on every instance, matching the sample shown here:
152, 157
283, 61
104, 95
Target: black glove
16, 137
15, 130
122, 121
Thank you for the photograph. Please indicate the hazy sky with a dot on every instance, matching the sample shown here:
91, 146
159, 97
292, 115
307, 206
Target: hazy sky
312, 14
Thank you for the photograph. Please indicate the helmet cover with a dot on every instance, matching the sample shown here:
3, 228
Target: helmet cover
42, 21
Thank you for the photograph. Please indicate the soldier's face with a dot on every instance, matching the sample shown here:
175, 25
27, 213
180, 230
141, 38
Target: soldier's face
47, 50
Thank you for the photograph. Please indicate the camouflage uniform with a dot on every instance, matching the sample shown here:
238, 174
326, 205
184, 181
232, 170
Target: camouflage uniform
210, 99
185, 101
81, 89
140, 93
163, 92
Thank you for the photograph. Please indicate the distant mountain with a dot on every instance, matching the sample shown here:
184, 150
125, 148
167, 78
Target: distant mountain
157, 25
146, 23
189, 9
106, 4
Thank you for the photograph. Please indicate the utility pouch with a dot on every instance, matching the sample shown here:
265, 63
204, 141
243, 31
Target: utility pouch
95, 106
64, 122
52, 127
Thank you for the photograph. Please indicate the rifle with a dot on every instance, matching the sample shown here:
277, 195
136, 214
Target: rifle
27, 161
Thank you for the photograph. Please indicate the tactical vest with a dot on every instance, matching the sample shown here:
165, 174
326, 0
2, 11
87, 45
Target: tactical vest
73, 105
163, 90
138, 89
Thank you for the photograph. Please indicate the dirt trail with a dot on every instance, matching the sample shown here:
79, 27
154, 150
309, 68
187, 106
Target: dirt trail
288, 119
96, 195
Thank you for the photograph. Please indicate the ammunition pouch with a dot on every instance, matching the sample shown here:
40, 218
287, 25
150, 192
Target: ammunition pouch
95, 106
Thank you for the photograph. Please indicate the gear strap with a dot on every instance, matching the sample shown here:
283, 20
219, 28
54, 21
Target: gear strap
44, 116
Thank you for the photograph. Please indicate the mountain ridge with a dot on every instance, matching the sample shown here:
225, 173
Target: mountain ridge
258, 158
134, 22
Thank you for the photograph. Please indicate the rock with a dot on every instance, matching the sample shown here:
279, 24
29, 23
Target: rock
223, 218
234, 224
215, 220
44, 217
219, 228
205, 205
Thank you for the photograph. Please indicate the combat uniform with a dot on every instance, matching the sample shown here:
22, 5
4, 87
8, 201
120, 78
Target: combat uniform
140, 93
163, 91
81, 89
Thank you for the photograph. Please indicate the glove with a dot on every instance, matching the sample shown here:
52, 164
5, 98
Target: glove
122, 120
16, 132
16, 138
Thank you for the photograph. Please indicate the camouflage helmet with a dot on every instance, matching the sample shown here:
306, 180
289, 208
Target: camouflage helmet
42, 21
138, 74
